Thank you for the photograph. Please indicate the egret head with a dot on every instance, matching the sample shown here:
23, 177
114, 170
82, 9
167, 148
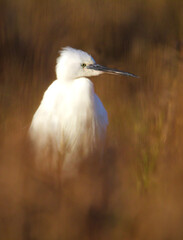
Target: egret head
73, 63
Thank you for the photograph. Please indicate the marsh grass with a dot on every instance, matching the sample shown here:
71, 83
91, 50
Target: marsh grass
138, 191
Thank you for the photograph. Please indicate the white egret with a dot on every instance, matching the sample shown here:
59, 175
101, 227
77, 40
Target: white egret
71, 120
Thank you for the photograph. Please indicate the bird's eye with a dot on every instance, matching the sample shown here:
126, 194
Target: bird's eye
83, 65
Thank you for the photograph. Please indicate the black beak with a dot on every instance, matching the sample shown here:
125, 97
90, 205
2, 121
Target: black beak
103, 69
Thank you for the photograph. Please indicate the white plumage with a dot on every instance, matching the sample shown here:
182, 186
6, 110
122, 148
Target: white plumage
71, 119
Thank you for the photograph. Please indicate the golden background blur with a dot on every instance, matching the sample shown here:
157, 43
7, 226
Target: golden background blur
139, 192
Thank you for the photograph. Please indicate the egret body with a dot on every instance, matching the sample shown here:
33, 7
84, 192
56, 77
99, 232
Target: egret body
71, 120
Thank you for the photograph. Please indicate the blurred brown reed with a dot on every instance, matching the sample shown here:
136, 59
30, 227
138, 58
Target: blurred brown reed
137, 194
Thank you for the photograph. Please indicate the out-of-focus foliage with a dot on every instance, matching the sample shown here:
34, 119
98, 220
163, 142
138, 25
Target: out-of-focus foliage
138, 193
